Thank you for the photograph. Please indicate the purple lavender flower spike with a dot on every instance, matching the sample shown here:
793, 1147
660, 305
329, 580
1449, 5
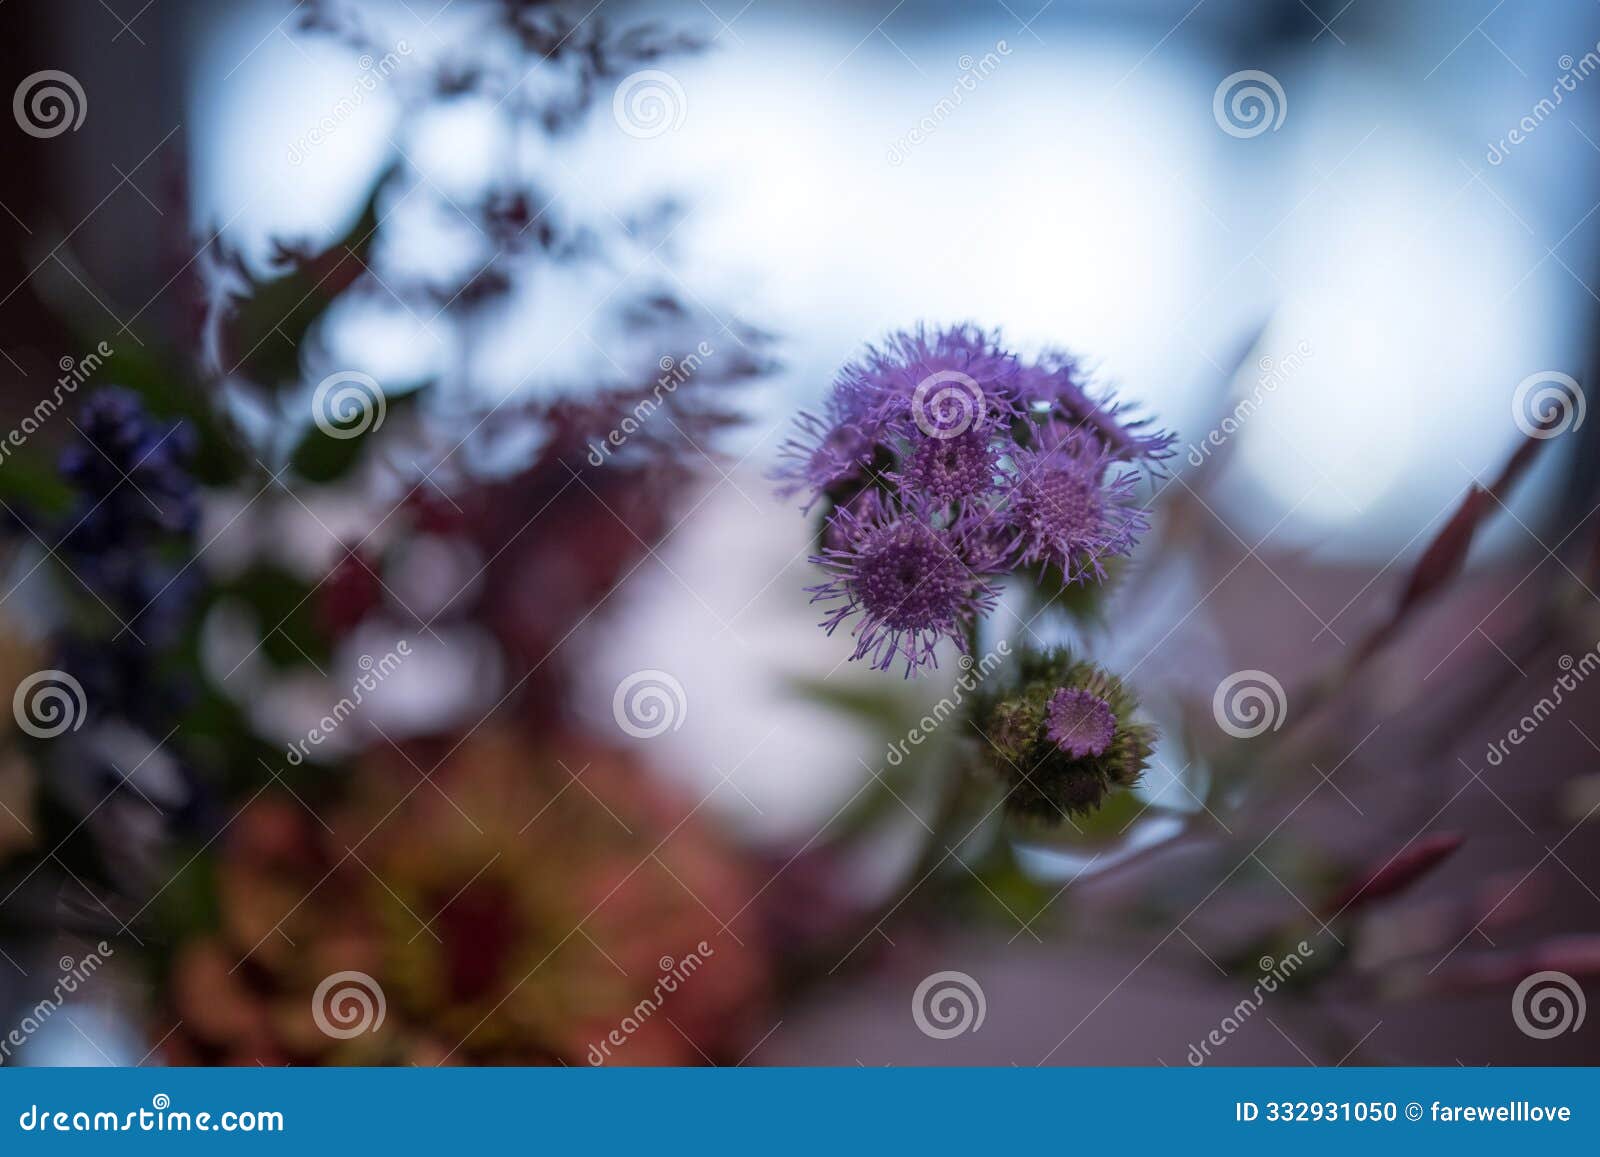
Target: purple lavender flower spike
1064, 511
905, 578
1079, 723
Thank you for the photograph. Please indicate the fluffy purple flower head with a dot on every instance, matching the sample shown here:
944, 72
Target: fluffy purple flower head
946, 471
867, 506
829, 454
1079, 723
920, 385
906, 580
941, 383
942, 464
1069, 508
1055, 388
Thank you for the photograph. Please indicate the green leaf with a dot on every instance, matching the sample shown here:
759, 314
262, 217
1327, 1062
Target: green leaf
26, 483
1110, 822
324, 457
285, 609
269, 322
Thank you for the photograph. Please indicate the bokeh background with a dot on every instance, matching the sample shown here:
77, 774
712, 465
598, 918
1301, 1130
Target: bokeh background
1386, 254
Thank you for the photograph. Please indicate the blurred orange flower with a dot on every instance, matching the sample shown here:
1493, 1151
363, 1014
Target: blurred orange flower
527, 902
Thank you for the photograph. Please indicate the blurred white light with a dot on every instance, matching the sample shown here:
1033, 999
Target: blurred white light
1396, 279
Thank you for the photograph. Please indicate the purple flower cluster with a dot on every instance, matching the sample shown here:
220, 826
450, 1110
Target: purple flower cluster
130, 478
128, 543
943, 462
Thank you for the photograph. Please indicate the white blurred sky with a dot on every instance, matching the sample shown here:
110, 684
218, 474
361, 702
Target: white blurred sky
1083, 194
